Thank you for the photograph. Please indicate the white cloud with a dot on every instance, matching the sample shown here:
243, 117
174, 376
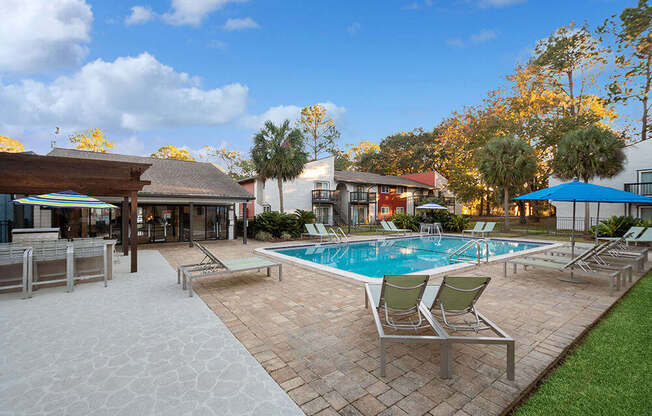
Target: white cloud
139, 15
482, 36
499, 3
43, 35
192, 12
132, 145
218, 44
417, 5
132, 93
240, 24
288, 112
353, 28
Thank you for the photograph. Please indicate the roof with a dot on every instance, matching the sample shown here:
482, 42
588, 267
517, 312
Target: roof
427, 178
374, 178
170, 177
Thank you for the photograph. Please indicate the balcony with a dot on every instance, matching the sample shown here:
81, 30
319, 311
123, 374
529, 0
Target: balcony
359, 197
640, 188
323, 196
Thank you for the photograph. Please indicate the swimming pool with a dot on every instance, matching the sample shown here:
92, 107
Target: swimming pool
375, 258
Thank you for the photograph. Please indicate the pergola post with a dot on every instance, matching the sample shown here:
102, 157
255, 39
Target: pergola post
124, 230
134, 232
244, 222
191, 208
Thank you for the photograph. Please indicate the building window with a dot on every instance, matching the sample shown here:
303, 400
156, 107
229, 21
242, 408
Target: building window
384, 189
321, 213
267, 208
384, 210
321, 185
400, 210
646, 213
400, 189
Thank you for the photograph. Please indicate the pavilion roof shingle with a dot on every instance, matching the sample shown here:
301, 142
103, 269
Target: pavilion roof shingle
374, 178
172, 177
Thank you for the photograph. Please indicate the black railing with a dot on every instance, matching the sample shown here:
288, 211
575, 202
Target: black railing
640, 188
359, 197
323, 196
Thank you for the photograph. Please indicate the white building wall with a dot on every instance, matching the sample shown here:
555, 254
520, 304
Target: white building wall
639, 158
297, 193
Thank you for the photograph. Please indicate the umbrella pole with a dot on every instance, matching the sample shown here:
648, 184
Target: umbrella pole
572, 279
597, 223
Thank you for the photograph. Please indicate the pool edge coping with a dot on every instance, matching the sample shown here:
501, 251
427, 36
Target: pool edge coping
355, 277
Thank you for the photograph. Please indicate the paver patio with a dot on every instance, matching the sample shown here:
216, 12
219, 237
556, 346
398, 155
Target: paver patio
313, 335
137, 347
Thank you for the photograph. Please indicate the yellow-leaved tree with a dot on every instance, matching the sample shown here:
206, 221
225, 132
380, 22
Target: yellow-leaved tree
10, 145
318, 129
172, 152
91, 139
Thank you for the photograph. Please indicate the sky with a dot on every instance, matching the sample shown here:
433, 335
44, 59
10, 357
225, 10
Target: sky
192, 73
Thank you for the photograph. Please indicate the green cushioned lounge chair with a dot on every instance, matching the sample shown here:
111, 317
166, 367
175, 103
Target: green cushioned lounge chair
456, 298
213, 266
396, 305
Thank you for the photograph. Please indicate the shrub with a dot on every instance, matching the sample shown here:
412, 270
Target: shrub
276, 223
456, 223
263, 236
251, 227
286, 236
302, 218
406, 221
618, 226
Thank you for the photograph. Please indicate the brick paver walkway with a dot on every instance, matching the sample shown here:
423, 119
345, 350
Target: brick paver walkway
313, 335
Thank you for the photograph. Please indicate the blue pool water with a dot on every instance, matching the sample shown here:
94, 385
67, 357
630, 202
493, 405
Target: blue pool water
395, 256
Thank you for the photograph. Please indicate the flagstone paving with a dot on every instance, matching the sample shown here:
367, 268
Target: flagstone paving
314, 337
137, 347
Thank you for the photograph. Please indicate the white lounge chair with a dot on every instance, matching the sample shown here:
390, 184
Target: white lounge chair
212, 266
476, 229
488, 228
630, 235
314, 233
395, 228
388, 229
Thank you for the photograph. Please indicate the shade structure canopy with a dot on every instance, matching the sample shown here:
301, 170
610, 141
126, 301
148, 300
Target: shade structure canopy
65, 199
431, 205
585, 192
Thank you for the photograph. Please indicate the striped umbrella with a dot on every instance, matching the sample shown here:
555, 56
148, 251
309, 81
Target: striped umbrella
65, 199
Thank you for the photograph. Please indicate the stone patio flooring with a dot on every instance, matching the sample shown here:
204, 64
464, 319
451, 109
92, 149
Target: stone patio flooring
137, 347
314, 337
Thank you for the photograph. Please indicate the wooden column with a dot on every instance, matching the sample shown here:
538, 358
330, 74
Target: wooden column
134, 232
125, 226
244, 223
190, 212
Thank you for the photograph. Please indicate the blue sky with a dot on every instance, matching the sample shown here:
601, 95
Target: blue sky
208, 72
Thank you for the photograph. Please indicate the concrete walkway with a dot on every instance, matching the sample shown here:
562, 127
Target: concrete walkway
137, 347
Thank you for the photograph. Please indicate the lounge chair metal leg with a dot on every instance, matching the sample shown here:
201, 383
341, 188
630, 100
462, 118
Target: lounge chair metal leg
178, 276
189, 287
611, 286
511, 360
514, 268
280, 272
445, 360
505, 269
269, 271
70, 263
382, 358
366, 299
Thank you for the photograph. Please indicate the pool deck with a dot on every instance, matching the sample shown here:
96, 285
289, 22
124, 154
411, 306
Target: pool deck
313, 335
137, 347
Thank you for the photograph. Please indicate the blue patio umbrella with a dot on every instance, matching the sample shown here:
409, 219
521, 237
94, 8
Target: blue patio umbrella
431, 205
576, 191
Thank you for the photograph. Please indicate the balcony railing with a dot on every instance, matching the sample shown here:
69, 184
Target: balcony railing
359, 197
641, 188
323, 196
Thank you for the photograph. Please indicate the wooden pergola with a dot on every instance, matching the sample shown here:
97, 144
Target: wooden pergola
24, 173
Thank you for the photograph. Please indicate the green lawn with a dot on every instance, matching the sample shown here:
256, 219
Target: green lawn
610, 372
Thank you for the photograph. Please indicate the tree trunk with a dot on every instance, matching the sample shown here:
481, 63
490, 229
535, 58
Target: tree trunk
570, 91
280, 193
646, 93
506, 207
521, 211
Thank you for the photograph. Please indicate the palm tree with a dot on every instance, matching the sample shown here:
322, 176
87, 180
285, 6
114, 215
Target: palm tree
278, 154
587, 153
507, 163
